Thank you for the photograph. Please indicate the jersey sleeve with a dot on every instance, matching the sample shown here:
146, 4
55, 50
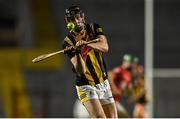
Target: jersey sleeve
70, 54
127, 78
116, 70
98, 29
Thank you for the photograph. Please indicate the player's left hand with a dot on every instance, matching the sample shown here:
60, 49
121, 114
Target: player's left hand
80, 44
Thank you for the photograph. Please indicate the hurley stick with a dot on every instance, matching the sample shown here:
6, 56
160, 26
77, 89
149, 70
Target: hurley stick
45, 56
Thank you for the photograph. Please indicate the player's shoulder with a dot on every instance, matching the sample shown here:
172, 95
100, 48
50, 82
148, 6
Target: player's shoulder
67, 40
117, 70
64, 41
95, 24
68, 36
92, 23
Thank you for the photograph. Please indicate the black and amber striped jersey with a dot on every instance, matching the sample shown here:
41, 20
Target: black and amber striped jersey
95, 64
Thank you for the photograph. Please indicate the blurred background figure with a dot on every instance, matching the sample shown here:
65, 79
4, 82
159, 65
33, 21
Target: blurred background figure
138, 94
127, 81
120, 79
79, 111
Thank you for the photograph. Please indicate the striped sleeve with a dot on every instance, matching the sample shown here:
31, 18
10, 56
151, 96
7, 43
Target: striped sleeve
98, 29
70, 54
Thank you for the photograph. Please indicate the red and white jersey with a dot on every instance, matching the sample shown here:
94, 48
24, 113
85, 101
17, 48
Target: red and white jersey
122, 79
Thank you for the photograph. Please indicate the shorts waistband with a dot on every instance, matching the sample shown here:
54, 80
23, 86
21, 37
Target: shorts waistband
99, 84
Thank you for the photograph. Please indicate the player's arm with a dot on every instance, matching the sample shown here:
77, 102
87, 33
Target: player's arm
136, 95
78, 63
75, 57
126, 84
102, 45
77, 60
114, 89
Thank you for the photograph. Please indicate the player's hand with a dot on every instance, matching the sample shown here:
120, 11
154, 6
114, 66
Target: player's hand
67, 49
80, 44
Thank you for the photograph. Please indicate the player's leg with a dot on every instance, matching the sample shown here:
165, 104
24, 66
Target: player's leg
107, 100
94, 108
88, 96
110, 110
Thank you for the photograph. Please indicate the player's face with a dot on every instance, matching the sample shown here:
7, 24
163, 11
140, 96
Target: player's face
78, 21
127, 64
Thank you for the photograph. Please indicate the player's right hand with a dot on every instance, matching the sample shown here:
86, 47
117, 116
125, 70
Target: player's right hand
67, 49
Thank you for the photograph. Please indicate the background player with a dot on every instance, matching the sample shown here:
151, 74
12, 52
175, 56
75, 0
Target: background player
120, 81
138, 91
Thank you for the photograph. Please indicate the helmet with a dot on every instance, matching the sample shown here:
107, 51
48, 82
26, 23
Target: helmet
72, 12
136, 59
128, 57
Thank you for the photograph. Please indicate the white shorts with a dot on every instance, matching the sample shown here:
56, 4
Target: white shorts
100, 91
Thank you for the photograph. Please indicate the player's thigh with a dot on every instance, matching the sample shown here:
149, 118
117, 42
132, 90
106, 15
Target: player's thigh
110, 110
94, 108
